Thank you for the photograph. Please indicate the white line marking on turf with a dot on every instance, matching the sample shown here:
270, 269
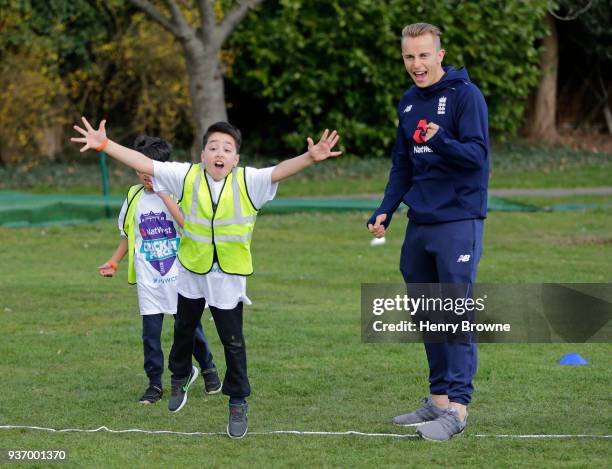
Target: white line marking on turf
278, 432
109, 430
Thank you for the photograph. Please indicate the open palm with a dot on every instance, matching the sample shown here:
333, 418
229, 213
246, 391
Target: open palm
91, 137
322, 150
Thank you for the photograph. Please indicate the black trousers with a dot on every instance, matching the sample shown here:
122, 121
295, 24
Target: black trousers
229, 327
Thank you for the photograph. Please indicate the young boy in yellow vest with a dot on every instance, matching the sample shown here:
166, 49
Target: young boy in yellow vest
151, 239
219, 202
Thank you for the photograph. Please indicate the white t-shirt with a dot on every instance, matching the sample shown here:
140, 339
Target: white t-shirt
221, 290
156, 244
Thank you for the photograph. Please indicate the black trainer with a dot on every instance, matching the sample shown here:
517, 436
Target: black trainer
237, 424
152, 394
212, 385
178, 396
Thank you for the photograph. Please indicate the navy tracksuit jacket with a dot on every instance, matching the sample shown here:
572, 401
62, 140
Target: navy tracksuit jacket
444, 184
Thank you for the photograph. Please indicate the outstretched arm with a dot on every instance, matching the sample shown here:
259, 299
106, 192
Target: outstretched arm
172, 208
319, 152
97, 140
110, 266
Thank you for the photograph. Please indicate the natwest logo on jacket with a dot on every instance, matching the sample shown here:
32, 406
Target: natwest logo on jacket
420, 132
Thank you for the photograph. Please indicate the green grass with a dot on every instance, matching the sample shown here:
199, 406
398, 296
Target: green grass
516, 165
568, 177
558, 203
521, 165
72, 354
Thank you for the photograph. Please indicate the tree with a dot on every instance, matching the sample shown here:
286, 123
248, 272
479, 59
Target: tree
102, 58
585, 65
202, 42
591, 37
542, 127
42, 43
137, 81
318, 63
31, 93
32, 98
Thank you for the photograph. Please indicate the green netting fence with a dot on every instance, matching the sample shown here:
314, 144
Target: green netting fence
23, 209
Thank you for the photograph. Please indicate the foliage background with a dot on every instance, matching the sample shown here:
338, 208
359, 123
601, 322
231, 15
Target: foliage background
291, 68
324, 63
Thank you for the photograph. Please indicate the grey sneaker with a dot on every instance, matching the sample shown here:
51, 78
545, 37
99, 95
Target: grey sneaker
178, 396
212, 385
237, 424
426, 413
444, 427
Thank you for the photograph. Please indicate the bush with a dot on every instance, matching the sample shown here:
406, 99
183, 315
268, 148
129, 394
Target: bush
337, 63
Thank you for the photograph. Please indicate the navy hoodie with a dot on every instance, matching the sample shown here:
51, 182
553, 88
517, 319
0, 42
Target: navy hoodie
446, 178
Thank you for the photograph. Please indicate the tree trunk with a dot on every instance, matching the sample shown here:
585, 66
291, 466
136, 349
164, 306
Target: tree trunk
202, 46
207, 90
608, 116
543, 126
51, 140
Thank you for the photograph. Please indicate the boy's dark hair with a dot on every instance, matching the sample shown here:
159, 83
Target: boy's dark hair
224, 128
154, 147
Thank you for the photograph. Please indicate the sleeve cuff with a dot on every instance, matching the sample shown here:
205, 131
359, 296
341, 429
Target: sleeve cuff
437, 137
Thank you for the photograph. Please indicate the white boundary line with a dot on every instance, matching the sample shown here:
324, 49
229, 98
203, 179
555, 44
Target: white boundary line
282, 432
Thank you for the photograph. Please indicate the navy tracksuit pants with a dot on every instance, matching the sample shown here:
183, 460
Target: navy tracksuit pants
445, 253
154, 355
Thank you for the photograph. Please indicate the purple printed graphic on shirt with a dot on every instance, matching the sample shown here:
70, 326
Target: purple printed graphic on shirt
159, 241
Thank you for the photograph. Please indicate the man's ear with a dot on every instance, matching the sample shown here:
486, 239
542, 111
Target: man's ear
441, 54
202, 156
237, 160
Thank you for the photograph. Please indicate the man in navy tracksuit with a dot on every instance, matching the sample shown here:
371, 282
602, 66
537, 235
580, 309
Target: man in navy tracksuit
440, 171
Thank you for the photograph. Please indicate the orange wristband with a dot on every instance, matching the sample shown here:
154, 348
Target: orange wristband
113, 265
103, 146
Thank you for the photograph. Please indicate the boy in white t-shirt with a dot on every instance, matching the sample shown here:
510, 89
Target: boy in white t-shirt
219, 202
150, 236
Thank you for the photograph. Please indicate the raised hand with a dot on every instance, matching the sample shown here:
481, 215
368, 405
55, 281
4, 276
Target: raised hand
92, 138
432, 129
322, 150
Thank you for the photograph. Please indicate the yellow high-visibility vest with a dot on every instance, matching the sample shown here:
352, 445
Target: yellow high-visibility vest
133, 197
226, 228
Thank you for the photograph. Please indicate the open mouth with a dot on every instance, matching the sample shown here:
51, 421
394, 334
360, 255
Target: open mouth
420, 76
219, 164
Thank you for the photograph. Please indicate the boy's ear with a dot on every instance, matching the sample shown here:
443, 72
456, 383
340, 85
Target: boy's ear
237, 160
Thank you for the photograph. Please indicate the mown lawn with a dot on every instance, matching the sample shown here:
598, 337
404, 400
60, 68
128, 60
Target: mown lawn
513, 165
71, 353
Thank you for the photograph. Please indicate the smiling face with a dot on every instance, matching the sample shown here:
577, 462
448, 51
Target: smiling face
219, 155
423, 59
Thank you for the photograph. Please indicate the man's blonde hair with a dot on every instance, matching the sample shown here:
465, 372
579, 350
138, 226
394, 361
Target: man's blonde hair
419, 29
